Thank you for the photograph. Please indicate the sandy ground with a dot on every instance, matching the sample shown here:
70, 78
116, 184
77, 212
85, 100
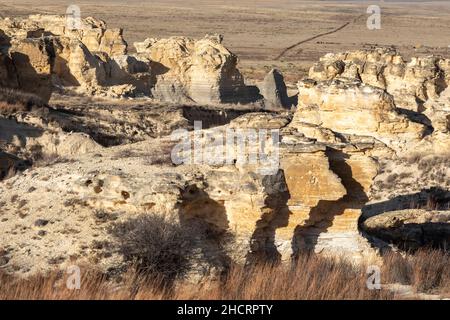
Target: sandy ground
259, 30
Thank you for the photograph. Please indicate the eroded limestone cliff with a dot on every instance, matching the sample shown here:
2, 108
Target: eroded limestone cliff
71, 172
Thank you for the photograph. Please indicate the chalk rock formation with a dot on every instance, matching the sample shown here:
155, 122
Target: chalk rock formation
47, 52
92, 59
93, 33
311, 200
274, 91
411, 83
32, 66
351, 107
203, 71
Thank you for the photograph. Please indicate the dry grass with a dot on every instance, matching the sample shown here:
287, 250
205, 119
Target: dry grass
427, 270
313, 277
12, 101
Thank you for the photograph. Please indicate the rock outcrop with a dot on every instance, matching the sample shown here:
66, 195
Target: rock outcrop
93, 33
411, 229
307, 180
274, 91
411, 83
201, 71
93, 59
351, 107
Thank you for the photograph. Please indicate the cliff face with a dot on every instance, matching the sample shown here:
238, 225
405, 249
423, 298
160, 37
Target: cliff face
361, 117
93, 60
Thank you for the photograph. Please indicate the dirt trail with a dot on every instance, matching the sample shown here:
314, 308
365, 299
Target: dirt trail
317, 36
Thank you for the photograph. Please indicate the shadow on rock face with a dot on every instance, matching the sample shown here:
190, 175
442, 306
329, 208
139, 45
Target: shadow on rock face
262, 242
418, 117
209, 217
410, 221
322, 217
29, 80
432, 198
10, 164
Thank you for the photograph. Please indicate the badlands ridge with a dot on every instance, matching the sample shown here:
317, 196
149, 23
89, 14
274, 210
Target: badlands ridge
364, 149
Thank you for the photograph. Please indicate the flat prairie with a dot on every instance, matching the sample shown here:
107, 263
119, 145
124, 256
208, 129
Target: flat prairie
269, 33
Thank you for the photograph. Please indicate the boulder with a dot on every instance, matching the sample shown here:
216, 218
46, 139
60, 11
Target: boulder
274, 91
93, 33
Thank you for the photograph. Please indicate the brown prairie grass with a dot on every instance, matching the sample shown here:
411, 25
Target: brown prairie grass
312, 277
426, 270
12, 101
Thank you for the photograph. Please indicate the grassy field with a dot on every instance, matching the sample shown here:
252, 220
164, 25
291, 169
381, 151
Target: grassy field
259, 30
423, 275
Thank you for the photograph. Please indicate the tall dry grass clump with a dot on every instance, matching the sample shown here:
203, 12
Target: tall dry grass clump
427, 270
12, 101
311, 277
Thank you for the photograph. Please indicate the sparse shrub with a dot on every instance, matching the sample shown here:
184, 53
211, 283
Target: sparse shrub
12, 101
431, 272
427, 270
163, 156
390, 180
159, 245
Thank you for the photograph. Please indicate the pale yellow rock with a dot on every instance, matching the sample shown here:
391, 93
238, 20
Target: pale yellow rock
411, 83
351, 107
33, 66
93, 33
186, 69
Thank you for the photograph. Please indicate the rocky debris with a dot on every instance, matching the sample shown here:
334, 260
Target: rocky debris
112, 123
274, 91
410, 83
189, 70
28, 134
32, 132
419, 181
411, 229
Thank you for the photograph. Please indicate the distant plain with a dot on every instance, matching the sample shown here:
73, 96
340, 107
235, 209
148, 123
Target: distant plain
259, 30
